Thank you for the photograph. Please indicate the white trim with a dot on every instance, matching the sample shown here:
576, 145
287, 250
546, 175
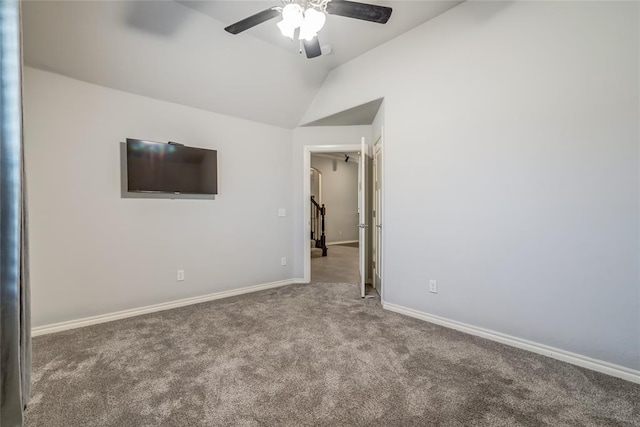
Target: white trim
555, 353
380, 212
306, 194
342, 242
103, 318
363, 215
383, 209
319, 198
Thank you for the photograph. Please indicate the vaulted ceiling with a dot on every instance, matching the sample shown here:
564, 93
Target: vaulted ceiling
179, 51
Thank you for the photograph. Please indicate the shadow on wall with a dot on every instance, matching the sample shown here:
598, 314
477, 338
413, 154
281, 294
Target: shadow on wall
161, 18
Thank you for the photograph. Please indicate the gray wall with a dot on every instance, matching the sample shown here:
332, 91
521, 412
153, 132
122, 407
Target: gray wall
93, 252
340, 195
511, 169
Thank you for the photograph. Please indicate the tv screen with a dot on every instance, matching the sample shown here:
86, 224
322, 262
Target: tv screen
171, 168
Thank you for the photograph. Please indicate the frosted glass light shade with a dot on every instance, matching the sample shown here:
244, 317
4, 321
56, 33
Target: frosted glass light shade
286, 29
309, 21
314, 19
292, 15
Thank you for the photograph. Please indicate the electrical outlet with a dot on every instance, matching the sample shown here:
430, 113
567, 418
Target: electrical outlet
180, 275
283, 261
282, 212
433, 286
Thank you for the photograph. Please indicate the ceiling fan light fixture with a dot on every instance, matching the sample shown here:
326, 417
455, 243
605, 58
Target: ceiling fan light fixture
292, 15
314, 20
306, 33
286, 29
309, 17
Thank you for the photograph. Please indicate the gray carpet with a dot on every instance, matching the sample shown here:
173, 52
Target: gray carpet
306, 355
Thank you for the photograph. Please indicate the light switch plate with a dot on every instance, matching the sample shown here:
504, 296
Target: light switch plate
433, 286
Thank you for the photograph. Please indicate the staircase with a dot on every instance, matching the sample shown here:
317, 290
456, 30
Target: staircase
318, 238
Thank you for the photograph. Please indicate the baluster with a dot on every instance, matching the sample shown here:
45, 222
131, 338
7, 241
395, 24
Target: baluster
323, 240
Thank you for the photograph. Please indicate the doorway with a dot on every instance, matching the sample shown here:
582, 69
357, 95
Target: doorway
365, 221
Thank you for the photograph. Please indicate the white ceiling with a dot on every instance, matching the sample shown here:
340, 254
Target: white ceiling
179, 52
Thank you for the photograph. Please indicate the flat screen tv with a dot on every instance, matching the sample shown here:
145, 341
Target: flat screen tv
170, 168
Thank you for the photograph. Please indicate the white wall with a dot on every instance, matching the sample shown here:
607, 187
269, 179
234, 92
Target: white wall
93, 252
307, 136
340, 196
511, 169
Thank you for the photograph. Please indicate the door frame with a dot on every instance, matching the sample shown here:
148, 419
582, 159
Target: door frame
306, 195
378, 164
319, 198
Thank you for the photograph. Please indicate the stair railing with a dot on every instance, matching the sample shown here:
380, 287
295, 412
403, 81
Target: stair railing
317, 225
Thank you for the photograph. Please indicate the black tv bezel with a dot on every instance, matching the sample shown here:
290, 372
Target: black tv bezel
146, 141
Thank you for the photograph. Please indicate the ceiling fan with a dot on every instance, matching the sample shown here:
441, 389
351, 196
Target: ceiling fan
307, 17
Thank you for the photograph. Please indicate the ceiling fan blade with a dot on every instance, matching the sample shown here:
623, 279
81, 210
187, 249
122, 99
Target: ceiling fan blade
252, 21
366, 12
312, 48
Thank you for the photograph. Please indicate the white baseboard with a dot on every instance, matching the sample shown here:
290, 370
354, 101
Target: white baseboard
555, 353
299, 280
103, 318
342, 242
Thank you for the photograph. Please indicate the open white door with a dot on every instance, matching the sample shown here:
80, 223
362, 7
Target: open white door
362, 214
377, 217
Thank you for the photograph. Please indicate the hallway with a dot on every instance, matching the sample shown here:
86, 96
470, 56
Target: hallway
339, 266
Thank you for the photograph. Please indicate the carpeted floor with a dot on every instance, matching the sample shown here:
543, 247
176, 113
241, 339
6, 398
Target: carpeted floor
305, 355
